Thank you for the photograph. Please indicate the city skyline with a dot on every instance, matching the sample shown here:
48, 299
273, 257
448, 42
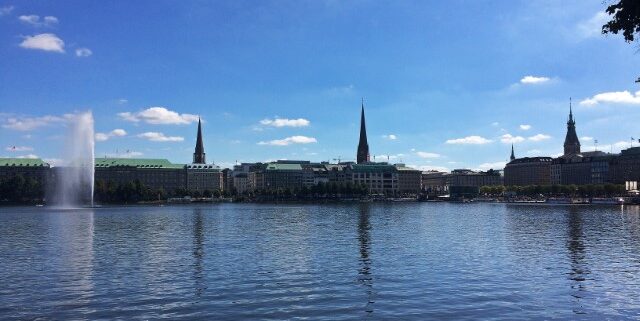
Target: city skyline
427, 111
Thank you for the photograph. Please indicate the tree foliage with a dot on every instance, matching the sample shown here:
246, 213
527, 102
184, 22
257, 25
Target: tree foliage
626, 19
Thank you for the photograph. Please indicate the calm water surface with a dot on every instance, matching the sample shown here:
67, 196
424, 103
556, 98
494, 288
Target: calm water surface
321, 262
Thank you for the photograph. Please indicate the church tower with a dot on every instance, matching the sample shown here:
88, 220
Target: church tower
513, 155
363, 146
571, 142
199, 155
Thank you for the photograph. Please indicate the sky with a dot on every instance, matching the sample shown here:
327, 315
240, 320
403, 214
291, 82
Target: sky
446, 84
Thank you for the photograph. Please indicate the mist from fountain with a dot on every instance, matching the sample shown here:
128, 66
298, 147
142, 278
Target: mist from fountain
75, 182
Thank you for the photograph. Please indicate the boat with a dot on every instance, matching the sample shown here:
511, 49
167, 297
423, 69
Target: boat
607, 200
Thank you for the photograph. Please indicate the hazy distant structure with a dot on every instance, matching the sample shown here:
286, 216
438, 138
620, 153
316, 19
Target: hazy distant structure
571, 142
363, 146
199, 155
513, 155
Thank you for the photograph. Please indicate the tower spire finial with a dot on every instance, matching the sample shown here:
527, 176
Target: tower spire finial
199, 155
513, 155
363, 147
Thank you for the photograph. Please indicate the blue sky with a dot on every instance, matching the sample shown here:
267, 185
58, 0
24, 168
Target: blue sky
448, 84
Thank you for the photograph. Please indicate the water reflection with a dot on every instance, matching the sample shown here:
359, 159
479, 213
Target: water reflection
364, 273
198, 251
577, 256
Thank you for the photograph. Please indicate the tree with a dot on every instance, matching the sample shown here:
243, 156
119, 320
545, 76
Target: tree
626, 19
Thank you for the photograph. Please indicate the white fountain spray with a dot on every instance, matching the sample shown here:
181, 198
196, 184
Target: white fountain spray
75, 183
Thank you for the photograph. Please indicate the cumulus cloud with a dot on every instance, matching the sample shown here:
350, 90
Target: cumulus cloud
427, 168
160, 137
84, 52
100, 137
289, 141
127, 154
390, 137
539, 137
525, 127
18, 148
510, 139
532, 80
474, 140
30, 123
613, 97
494, 165
159, 116
43, 41
285, 122
35, 20
586, 138
427, 155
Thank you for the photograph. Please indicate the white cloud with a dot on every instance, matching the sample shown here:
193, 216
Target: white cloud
593, 26
160, 137
285, 122
159, 115
18, 148
476, 140
614, 97
289, 141
127, 154
122, 101
539, 137
427, 155
55, 161
30, 123
426, 168
28, 156
390, 137
525, 127
534, 152
6, 10
510, 139
100, 137
586, 138
35, 20
494, 165
495, 124
84, 52
43, 41
532, 80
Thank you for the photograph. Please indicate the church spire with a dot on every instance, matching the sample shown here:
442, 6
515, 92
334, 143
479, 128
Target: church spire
199, 155
571, 141
363, 145
513, 155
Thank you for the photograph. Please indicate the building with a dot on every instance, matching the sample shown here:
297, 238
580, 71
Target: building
379, 178
280, 175
153, 173
363, 146
625, 167
409, 179
241, 182
571, 141
435, 182
467, 177
313, 174
204, 177
200, 176
34, 168
528, 171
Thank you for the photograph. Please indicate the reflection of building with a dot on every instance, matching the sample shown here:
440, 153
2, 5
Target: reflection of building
153, 173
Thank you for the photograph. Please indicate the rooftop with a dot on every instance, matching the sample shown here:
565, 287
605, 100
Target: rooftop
22, 162
283, 167
136, 162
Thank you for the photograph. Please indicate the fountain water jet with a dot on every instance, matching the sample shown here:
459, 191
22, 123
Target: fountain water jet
75, 183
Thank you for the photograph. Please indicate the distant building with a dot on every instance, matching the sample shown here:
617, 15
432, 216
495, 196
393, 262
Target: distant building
528, 171
379, 178
409, 179
571, 141
153, 173
363, 146
625, 167
279, 175
33, 168
313, 174
435, 182
204, 177
467, 177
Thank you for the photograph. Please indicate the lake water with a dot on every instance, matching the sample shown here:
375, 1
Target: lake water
400, 261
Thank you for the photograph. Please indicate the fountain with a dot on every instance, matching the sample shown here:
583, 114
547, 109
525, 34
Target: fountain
75, 183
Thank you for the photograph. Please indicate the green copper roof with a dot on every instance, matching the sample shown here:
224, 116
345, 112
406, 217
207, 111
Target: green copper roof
283, 167
136, 162
28, 162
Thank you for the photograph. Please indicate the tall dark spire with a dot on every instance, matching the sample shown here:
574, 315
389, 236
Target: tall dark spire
199, 155
513, 155
363, 146
571, 141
